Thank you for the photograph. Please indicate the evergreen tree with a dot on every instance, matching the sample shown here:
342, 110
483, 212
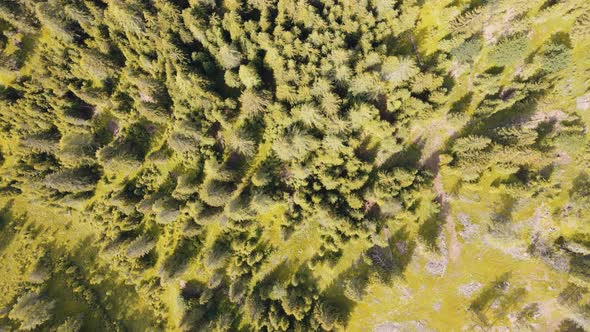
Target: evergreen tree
31, 311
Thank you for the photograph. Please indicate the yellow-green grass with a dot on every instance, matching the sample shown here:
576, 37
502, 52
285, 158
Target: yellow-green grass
414, 296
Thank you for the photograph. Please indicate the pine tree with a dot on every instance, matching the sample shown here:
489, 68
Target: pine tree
229, 57
31, 311
141, 246
470, 145
248, 76
327, 316
396, 70
509, 50
70, 325
74, 180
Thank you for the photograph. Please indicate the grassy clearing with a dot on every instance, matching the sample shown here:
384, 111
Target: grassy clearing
437, 302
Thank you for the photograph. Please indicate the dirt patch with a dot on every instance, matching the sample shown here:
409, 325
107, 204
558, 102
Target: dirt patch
437, 267
467, 290
554, 116
583, 103
410, 326
469, 229
562, 158
517, 253
431, 162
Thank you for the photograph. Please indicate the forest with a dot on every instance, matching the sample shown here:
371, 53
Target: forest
294, 165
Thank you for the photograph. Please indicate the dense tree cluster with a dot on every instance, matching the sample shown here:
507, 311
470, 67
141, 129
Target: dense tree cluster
200, 138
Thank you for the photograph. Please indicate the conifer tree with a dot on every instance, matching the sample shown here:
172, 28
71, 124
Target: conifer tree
31, 311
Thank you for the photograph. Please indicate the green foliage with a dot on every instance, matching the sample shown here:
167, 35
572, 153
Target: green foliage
398, 70
470, 144
140, 246
31, 310
239, 165
70, 325
73, 180
466, 52
229, 57
509, 50
248, 76
556, 54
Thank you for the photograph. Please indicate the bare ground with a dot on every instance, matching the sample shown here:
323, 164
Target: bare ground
432, 164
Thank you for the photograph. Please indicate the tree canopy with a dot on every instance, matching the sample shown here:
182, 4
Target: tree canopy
294, 165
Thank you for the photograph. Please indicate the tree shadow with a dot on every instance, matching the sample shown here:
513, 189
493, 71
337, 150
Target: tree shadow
7, 221
495, 301
367, 152
580, 185
486, 124
335, 297
502, 213
208, 308
391, 261
178, 262
462, 104
569, 325
430, 230
134, 146
78, 108
285, 295
349, 287
408, 157
572, 294
71, 273
580, 266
